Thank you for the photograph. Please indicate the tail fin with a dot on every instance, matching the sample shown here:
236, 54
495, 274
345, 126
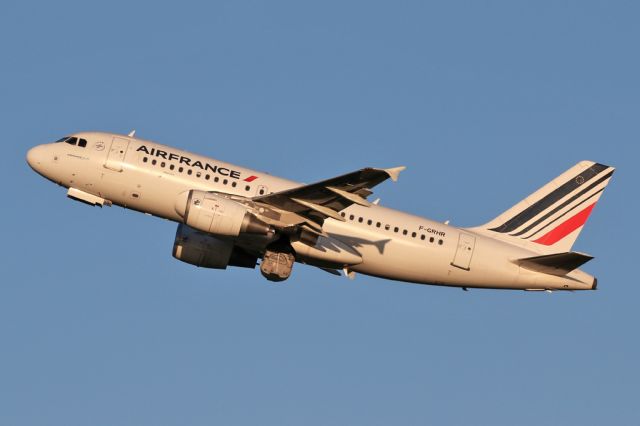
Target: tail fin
550, 219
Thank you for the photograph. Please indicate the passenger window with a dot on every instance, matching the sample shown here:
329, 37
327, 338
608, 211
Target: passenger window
343, 214
198, 174
351, 217
72, 141
431, 239
153, 162
171, 167
189, 172
247, 188
413, 234
82, 143
369, 222
396, 229
233, 184
387, 227
261, 191
163, 164
360, 219
207, 177
404, 232
145, 159
440, 242
181, 169
378, 224
422, 237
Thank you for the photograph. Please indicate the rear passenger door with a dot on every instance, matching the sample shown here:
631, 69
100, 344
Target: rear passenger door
464, 251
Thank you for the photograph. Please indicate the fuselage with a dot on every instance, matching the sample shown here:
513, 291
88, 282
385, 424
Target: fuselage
149, 177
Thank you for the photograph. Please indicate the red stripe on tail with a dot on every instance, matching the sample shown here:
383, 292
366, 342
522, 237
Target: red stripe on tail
565, 228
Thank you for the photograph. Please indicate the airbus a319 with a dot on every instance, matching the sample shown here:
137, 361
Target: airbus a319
231, 216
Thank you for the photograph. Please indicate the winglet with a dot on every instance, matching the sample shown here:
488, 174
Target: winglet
394, 172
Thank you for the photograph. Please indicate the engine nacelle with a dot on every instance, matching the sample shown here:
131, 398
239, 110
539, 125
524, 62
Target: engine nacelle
201, 249
212, 213
206, 251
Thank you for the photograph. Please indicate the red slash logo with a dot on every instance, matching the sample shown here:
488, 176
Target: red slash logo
251, 178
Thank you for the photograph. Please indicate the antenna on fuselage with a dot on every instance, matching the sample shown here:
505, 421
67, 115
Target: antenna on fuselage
132, 133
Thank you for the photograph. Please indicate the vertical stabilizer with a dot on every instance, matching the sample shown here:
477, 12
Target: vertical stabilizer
550, 219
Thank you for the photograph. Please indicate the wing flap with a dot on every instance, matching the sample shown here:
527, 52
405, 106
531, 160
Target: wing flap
320, 209
357, 199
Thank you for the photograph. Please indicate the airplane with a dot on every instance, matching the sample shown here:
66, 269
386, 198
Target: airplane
231, 216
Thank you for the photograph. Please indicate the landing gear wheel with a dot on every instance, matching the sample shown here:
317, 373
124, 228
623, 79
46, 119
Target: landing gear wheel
276, 266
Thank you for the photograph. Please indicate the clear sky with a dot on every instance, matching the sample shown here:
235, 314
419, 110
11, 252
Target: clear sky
482, 101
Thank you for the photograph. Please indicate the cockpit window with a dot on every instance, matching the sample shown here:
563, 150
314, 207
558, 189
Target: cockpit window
82, 143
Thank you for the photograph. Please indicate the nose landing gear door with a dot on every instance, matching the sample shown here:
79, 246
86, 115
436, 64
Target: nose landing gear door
115, 156
464, 252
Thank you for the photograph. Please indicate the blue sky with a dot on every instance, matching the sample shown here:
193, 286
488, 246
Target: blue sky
482, 101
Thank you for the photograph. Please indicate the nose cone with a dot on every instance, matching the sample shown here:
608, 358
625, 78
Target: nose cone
36, 157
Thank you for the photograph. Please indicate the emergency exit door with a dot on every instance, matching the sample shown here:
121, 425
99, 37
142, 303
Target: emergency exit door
464, 251
116, 154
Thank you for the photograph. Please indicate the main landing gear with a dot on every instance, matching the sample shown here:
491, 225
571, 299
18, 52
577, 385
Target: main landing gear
278, 261
277, 266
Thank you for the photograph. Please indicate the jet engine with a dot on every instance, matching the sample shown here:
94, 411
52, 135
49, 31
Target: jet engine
215, 214
205, 250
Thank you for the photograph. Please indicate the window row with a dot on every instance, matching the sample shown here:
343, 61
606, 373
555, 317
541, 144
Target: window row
198, 174
396, 229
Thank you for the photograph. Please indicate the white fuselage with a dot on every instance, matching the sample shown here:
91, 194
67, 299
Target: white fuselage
149, 177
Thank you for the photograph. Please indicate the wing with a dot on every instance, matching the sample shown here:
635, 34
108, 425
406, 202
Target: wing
314, 203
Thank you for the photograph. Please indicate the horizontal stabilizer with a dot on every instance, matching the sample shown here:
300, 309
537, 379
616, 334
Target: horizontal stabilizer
558, 264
